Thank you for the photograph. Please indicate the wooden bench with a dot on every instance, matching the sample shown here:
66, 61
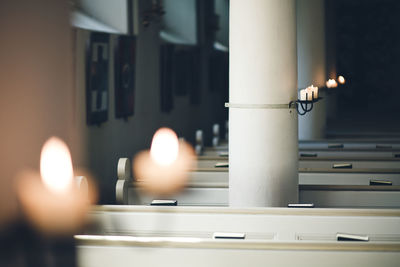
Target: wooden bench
210, 163
178, 236
105, 251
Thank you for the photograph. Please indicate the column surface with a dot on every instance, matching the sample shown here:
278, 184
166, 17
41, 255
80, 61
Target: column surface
263, 153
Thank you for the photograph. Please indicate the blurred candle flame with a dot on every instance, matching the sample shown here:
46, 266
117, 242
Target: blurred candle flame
164, 170
56, 165
341, 79
164, 147
331, 83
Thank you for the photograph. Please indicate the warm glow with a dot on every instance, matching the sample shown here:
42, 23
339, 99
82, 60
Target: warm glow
164, 147
341, 79
331, 83
56, 165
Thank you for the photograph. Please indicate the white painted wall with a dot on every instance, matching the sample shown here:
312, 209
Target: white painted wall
118, 138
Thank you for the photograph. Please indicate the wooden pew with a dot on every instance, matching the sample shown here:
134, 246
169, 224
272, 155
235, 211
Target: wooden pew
325, 154
324, 188
323, 196
327, 148
99, 251
209, 163
348, 155
349, 145
174, 236
281, 224
350, 164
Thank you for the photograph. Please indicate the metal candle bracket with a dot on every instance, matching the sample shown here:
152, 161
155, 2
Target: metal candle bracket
304, 106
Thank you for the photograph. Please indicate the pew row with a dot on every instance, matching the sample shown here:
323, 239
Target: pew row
378, 188
99, 251
338, 144
323, 187
279, 224
210, 163
325, 154
351, 145
303, 234
322, 196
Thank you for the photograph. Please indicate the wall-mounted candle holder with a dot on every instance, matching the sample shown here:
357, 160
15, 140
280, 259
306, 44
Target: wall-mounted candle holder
304, 106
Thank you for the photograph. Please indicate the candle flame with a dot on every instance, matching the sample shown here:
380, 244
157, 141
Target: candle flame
331, 83
341, 79
164, 147
56, 165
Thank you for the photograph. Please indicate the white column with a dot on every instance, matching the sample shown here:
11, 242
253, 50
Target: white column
263, 156
311, 63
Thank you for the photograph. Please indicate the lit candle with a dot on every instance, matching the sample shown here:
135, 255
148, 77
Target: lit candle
331, 83
56, 166
341, 79
306, 94
314, 91
52, 200
165, 168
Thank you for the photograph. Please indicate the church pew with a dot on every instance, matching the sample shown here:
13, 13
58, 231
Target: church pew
207, 162
351, 164
310, 176
348, 155
209, 186
348, 145
280, 224
361, 188
303, 235
335, 145
330, 146
327, 155
99, 251
321, 153
327, 196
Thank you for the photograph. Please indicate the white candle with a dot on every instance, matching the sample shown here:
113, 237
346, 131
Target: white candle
306, 94
314, 90
331, 83
341, 79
